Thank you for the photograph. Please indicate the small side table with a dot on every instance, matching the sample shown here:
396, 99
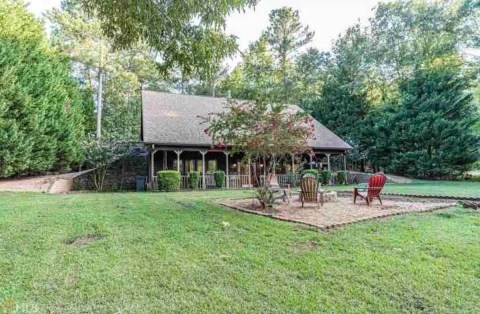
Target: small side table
330, 196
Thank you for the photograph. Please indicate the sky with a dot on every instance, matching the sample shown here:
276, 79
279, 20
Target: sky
327, 18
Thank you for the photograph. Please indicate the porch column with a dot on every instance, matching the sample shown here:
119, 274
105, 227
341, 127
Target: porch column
178, 152
311, 161
227, 185
249, 171
165, 163
328, 161
204, 183
344, 162
152, 166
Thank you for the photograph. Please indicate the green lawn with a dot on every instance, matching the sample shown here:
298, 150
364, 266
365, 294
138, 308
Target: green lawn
181, 253
420, 187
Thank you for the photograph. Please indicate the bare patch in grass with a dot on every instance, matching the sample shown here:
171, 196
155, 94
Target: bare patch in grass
84, 239
303, 246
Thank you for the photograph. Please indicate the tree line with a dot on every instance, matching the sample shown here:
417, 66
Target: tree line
401, 90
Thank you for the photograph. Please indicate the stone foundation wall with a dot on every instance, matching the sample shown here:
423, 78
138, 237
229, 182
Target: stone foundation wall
120, 175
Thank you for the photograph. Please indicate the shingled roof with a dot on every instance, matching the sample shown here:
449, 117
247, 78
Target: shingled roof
173, 120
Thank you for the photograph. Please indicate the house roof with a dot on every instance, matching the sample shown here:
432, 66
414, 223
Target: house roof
173, 120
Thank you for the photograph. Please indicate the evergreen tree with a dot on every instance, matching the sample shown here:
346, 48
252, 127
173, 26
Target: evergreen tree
342, 105
41, 109
430, 132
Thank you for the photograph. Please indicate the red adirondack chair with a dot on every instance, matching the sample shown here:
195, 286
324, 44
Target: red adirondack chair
373, 190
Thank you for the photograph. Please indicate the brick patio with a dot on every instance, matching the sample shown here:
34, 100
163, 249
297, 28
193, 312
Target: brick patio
341, 212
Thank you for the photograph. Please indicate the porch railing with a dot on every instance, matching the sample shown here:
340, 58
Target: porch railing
184, 182
239, 181
209, 181
284, 179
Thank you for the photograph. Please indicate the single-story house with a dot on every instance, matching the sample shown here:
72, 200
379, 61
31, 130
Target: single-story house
172, 131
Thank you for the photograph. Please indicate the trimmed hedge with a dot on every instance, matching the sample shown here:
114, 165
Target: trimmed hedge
168, 180
341, 177
311, 171
325, 176
193, 179
219, 179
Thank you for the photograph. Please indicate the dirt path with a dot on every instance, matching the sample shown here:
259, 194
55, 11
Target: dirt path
55, 184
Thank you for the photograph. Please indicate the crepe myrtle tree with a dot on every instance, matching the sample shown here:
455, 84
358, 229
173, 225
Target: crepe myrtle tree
261, 130
101, 153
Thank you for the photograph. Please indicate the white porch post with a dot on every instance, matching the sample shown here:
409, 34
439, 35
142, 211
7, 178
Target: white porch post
249, 171
165, 164
311, 161
204, 183
328, 162
178, 152
344, 162
152, 166
227, 185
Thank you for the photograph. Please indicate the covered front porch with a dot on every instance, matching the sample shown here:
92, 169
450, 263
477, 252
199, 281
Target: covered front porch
239, 173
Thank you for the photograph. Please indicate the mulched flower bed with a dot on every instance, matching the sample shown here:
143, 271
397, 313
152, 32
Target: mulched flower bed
341, 212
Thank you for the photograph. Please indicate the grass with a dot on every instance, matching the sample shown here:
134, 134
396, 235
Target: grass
179, 252
421, 187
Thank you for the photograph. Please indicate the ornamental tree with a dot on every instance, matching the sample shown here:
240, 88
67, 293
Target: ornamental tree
262, 131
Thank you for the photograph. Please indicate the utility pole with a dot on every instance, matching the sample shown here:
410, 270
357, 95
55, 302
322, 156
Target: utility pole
100, 95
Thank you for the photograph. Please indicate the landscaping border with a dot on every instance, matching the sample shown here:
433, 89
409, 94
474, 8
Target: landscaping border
328, 227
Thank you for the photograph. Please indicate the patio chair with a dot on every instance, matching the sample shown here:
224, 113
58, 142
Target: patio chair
309, 191
372, 190
282, 190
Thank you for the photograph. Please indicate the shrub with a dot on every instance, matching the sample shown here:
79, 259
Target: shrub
341, 177
219, 179
325, 176
193, 179
168, 180
311, 171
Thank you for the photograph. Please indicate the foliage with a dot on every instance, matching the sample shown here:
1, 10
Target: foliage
41, 106
364, 83
311, 171
99, 154
325, 176
219, 179
286, 35
79, 36
193, 179
168, 180
435, 117
18, 24
343, 104
255, 76
267, 67
186, 34
261, 130
341, 177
